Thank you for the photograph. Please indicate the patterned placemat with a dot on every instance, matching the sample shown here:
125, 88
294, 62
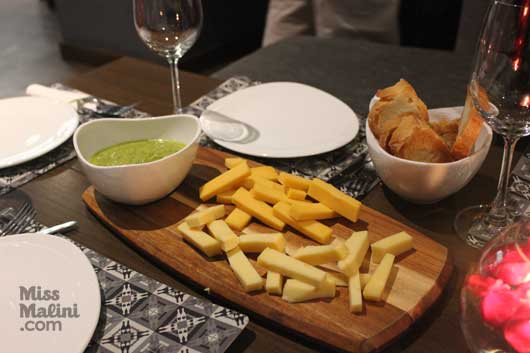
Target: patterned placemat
141, 315
349, 168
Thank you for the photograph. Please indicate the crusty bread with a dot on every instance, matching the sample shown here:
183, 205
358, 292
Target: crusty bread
415, 140
394, 102
468, 131
447, 129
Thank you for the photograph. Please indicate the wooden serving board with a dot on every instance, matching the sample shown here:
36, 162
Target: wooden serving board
415, 284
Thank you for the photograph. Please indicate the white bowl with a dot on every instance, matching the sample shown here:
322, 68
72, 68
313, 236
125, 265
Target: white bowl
426, 183
138, 184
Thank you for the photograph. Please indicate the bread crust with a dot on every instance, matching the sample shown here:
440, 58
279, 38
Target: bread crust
468, 131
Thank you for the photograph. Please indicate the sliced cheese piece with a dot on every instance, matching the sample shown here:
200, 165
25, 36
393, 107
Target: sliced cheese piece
335, 199
293, 181
395, 244
321, 254
257, 242
365, 277
265, 171
256, 208
355, 294
225, 197
375, 287
273, 260
206, 216
238, 219
200, 240
249, 183
274, 283
234, 161
309, 211
296, 291
244, 271
340, 279
313, 229
222, 232
269, 195
226, 181
295, 194
357, 245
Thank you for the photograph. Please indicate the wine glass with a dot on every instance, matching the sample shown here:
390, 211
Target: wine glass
500, 91
169, 28
495, 296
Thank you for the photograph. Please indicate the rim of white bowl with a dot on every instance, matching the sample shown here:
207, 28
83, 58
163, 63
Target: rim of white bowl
391, 156
164, 117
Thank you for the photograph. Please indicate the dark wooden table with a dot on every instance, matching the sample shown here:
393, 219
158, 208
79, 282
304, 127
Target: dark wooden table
57, 198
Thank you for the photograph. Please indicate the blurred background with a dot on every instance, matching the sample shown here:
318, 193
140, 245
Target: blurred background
49, 40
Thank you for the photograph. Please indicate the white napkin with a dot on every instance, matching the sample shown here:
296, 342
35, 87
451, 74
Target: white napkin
37, 90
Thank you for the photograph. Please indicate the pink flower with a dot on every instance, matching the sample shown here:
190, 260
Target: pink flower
517, 334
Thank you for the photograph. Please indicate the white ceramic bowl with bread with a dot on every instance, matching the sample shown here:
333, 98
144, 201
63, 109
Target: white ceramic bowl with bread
441, 167
138, 184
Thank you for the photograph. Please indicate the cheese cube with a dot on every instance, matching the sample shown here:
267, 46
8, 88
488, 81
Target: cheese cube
200, 240
313, 229
266, 172
357, 245
249, 183
375, 287
257, 242
395, 244
340, 279
225, 196
222, 232
296, 291
330, 196
321, 254
365, 277
274, 283
206, 216
295, 194
293, 181
269, 195
244, 271
238, 219
226, 181
309, 211
259, 209
232, 162
354, 291
276, 261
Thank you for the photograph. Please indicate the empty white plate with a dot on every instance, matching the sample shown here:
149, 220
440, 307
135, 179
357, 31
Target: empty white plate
33, 126
42, 276
293, 120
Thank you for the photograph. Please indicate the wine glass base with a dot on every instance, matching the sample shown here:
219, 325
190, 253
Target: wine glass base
470, 225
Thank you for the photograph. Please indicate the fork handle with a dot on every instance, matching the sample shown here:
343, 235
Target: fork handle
63, 227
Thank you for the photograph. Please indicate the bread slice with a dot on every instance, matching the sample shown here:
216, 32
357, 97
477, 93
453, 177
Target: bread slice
447, 129
394, 102
468, 131
415, 140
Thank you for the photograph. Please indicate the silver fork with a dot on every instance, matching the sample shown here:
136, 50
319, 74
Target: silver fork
21, 220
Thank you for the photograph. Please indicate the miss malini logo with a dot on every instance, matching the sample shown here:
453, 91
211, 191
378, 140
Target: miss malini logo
42, 310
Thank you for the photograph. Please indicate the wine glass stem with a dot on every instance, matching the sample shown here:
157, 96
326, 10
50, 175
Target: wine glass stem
498, 214
175, 85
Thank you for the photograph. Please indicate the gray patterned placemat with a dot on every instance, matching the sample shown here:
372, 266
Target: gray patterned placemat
349, 168
141, 315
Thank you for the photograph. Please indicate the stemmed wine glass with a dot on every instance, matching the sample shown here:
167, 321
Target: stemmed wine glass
169, 28
500, 92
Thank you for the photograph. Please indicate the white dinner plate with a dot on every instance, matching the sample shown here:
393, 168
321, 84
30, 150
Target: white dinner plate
46, 271
32, 126
293, 120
